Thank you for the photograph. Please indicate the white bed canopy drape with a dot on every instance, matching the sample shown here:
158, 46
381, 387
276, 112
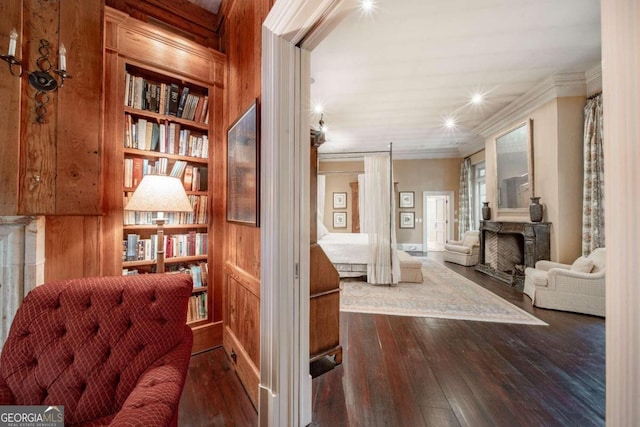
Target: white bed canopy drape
362, 192
379, 204
322, 184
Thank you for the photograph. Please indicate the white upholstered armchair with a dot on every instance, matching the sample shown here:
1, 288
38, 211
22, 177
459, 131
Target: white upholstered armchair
465, 251
577, 287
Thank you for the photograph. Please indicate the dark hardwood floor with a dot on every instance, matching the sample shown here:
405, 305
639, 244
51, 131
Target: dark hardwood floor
404, 371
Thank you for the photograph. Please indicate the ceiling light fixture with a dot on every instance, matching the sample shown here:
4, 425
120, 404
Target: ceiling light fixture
450, 123
368, 5
477, 98
318, 109
323, 128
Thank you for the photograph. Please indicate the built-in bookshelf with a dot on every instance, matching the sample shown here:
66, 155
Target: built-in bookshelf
166, 132
163, 115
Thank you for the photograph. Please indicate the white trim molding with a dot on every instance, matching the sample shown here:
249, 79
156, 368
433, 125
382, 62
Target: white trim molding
285, 384
621, 100
554, 86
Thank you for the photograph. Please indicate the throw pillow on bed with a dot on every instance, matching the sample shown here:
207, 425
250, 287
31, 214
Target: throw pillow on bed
582, 265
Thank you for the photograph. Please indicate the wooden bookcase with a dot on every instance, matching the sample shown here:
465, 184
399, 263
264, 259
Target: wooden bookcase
163, 115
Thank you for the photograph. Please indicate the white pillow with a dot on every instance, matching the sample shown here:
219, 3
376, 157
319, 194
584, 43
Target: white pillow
322, 230
582, 265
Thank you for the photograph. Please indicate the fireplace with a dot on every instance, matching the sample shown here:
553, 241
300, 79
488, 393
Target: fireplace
21, 263
507, 248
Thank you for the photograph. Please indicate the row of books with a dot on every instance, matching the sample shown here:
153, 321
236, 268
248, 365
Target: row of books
198, 272
197, 309
135, 248
166, 137
164, 98
194, 178
198, 216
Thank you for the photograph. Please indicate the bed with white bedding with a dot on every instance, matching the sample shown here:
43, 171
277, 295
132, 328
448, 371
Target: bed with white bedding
347, 252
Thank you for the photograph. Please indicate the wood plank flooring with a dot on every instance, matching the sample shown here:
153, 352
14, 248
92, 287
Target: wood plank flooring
403, 371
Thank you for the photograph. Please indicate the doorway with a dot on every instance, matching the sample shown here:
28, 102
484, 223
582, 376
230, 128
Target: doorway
438, 220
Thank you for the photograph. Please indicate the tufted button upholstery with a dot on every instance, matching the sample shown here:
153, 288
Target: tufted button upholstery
112, 350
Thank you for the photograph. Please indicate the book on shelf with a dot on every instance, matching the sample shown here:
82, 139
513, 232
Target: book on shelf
174, 94
137, 171
182, 101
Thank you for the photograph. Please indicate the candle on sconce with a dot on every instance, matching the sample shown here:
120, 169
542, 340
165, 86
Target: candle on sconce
13, 41
63, 58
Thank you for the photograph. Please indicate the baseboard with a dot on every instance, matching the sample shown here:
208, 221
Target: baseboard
411, 247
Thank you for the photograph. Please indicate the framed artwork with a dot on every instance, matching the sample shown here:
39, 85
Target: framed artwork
339, 200
407, 220
406, 199
243, 160
339, 220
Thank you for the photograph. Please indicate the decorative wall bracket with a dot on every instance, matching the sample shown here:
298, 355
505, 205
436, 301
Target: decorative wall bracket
42, 80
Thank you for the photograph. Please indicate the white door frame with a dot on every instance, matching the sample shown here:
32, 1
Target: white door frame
285, 383
289, 19
450, 198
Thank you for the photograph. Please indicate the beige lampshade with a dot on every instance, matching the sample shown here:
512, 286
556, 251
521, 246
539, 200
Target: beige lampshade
159, 193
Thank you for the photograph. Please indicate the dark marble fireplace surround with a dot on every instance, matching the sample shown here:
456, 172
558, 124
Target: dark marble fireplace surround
507, 248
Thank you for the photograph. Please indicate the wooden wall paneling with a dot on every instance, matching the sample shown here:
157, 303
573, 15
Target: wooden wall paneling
242, 41
79, 109
217, 180
38, 141
72, 247
10, 97
111, 223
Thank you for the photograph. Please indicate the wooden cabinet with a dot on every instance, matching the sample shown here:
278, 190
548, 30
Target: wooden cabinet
163, 110
324, 281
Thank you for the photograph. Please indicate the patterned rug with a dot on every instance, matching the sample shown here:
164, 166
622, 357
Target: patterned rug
443, 294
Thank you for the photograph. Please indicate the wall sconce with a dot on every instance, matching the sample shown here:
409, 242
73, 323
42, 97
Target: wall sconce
41, 79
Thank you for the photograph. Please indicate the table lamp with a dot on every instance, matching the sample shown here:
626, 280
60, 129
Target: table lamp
159, 193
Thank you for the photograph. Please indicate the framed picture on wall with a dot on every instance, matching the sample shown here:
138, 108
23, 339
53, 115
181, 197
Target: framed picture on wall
339, 200
339, 220
243, 151
406, 199
407, 220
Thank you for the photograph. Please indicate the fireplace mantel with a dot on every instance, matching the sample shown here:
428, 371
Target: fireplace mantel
536, 246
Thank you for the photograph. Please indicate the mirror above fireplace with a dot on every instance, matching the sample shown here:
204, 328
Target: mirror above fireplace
514, 168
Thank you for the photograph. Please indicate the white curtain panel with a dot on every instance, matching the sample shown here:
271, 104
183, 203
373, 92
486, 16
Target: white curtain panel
322, 184
361, 207
383, 266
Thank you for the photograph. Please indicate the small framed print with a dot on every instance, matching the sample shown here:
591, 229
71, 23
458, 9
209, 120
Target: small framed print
339, 220
407, 220
339, 200
406, 199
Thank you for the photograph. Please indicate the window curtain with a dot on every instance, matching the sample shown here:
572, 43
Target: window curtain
361, 198
322, 183
465, 219
383, 266
593, 190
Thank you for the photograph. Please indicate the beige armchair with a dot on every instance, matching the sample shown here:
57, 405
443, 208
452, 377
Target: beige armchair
577, 287
465, 251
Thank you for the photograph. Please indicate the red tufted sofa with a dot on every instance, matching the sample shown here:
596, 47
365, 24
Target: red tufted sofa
112, 350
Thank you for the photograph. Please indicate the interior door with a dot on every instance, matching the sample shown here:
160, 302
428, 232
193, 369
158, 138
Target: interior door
436, 223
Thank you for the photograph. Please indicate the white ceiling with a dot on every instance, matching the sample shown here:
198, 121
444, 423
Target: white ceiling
396, 74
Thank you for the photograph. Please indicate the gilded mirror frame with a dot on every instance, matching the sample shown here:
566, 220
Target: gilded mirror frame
510, 196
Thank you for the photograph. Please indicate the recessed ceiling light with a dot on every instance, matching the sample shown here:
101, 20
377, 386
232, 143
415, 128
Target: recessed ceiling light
367, 5
450, 123
477, 98
318, 109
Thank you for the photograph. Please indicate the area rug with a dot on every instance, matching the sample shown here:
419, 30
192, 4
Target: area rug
444, 294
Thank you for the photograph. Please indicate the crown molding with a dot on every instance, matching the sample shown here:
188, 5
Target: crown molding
555, 86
